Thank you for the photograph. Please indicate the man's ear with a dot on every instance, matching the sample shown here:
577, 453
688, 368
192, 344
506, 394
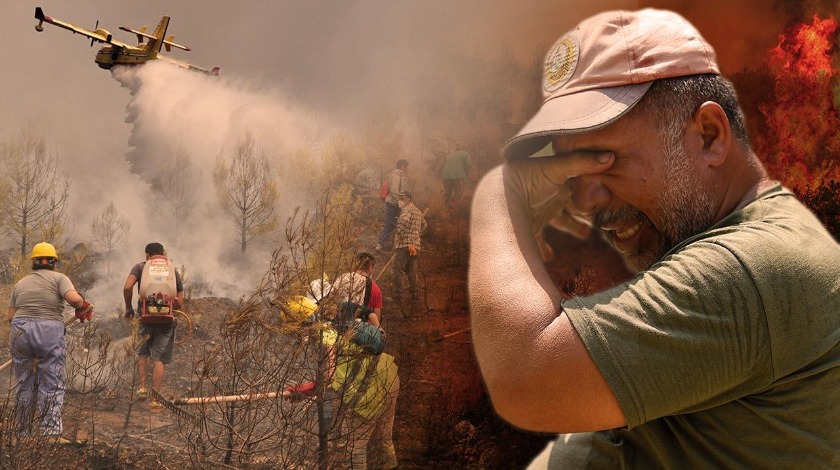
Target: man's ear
712, 127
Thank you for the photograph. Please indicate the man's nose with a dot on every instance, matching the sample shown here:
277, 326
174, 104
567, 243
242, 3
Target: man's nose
588, 195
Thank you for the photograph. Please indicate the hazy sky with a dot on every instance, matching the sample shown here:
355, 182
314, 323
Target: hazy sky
282, 61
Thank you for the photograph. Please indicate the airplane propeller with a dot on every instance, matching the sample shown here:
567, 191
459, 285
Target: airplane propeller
94, 28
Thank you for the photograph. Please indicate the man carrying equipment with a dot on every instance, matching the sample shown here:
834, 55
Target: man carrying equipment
155, 304
397, 185
358, 287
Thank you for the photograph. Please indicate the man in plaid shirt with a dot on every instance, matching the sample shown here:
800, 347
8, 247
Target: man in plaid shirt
406, 248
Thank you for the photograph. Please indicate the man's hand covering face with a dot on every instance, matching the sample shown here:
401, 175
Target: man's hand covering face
541, 183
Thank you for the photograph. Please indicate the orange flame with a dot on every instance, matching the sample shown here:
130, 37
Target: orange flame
802, 141
805, 51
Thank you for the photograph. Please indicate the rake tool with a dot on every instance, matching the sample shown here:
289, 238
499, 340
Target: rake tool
171, 406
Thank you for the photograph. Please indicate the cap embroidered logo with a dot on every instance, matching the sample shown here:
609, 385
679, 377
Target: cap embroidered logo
560, 63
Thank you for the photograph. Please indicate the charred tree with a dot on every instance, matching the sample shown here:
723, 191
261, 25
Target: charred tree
109, 229
247, 191
37, 190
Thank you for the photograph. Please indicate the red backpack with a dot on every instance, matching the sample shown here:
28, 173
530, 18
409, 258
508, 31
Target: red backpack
157, 291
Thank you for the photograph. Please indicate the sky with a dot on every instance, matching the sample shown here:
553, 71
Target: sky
286, 66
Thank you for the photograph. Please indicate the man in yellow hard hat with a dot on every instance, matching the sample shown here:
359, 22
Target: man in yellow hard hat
37, 344
360, 390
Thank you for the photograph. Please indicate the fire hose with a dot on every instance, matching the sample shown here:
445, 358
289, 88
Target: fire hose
172, 404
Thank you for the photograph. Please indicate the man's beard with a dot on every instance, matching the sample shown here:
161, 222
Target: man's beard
685, 207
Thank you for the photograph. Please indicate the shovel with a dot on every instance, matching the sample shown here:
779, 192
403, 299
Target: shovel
437, 337
434, 339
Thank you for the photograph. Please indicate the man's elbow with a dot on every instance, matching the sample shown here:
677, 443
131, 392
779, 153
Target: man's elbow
534, 402
520, 409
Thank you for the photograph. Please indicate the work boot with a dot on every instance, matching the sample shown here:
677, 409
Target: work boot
57, 439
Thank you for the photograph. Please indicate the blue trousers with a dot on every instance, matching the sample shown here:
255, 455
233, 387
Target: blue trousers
38, 351
389, 223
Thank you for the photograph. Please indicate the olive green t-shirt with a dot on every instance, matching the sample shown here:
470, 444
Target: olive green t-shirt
726, 353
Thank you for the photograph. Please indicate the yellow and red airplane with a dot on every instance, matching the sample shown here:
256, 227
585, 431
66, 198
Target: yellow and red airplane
119, 53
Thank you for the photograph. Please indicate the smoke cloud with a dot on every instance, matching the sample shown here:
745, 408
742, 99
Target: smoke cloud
289, 70
182, 122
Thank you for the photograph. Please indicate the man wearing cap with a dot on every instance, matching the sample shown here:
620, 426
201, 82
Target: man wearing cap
724, 349
37, 343
410, 225
397, 185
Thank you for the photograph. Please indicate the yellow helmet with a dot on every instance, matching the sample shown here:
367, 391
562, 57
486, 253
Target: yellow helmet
44, 250
300, 308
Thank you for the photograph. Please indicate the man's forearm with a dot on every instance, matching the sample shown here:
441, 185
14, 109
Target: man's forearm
535, 366
518, 337
127, 294
512, 297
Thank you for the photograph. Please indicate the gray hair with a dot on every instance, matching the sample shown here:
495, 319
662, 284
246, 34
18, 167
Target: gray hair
671, 102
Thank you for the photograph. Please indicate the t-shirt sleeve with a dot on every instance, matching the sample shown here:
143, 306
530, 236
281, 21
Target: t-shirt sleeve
137, 271
688, 334
375, 295
65, 285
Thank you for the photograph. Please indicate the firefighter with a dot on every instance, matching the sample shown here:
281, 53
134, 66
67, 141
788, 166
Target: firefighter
37, 343
158, 338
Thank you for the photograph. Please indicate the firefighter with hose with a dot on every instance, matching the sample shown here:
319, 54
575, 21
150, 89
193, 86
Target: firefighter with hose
37, 343
360, 387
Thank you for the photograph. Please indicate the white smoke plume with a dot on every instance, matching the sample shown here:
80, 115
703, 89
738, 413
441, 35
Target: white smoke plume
181, 122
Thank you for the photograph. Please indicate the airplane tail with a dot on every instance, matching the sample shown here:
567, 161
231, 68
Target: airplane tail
155, 42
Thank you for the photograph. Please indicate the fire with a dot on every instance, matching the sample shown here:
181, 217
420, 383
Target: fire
806, 50
801, 143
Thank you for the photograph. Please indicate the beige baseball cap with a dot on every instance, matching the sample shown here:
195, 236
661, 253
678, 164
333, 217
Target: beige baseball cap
599, 70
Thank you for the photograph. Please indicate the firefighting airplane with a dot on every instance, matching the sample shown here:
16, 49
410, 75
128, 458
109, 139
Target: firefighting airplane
120, 53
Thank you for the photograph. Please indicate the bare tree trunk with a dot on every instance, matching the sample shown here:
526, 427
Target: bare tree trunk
323, 425
24, 224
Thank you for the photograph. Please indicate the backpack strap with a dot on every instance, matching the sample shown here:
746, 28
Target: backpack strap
368, 288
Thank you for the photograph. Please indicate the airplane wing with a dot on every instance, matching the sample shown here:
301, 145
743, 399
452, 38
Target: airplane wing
100, 35
214, 71
140, 34
167, 43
